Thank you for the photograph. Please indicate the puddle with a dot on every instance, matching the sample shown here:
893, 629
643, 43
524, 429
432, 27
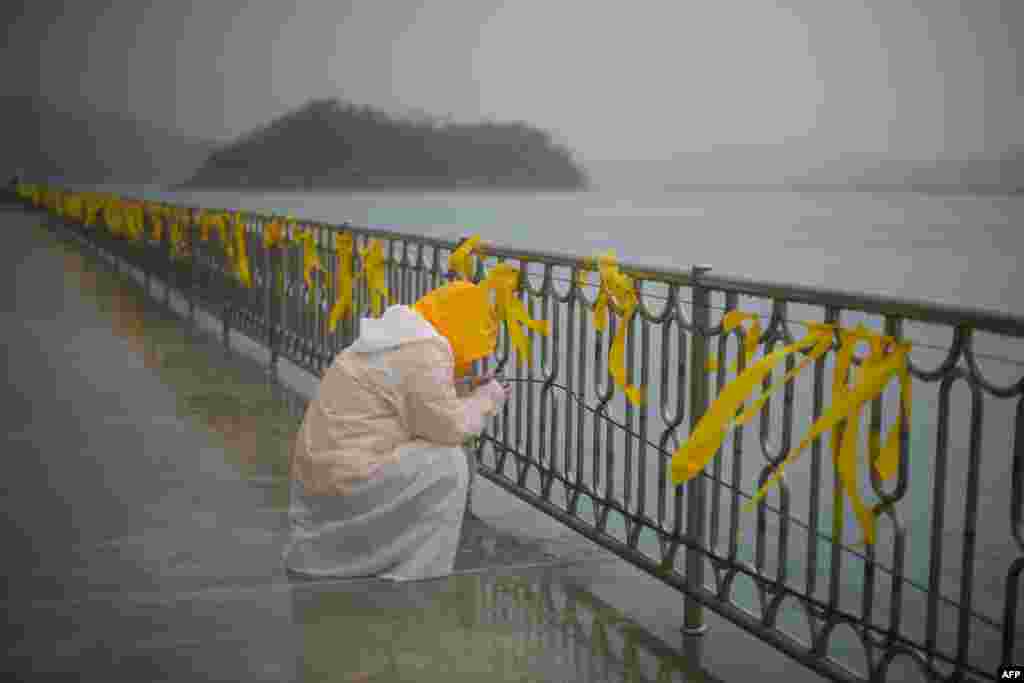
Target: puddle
529, 627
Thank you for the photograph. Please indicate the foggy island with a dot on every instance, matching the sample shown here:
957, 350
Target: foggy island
332, 144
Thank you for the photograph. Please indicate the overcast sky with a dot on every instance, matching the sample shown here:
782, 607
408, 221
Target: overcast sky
913, 78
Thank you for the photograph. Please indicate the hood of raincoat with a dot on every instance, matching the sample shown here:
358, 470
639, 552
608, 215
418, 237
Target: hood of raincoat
399, 325
462, 313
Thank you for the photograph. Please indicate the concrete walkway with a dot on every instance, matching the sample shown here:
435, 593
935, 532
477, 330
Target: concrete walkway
144, 510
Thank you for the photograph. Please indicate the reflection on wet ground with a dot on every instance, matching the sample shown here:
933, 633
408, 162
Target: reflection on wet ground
145, 514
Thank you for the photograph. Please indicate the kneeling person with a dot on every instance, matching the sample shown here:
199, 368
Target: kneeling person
379, 478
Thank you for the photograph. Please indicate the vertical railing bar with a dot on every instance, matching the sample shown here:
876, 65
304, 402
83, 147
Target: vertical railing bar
788, 401
695, 488
581, 379
627, 475
814, 501
718, 464
320, 299
570, 366
609, 431
894, 328
970, 520
678, 491
938, 515
645, 378
836, 558
553, 371
532, 459
194, 251
519, 372
226, 283
737, 454
595, 448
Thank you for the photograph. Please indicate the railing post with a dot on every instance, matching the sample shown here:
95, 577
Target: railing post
268, 284
193, 243
147, 252
167, 256
693, 619
227, 290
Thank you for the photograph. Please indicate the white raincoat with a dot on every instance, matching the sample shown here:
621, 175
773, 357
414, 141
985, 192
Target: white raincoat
379, 475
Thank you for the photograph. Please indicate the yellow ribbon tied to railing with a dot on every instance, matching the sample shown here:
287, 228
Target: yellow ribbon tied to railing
373, 269
344, 244
310, 259
156, 221
73, 206
93, 205
113, 218
241, 257
461, 260
206, 222
503, 279
751, 337
178, 235
134, 220
887, 359
616, 288
219, 222
274, 235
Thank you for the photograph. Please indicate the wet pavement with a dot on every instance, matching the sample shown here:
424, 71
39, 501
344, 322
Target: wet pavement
144, 515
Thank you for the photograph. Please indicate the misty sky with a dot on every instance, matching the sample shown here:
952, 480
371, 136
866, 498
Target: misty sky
912, 78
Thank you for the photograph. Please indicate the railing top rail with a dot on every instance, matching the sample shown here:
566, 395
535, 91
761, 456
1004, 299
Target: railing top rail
985, 320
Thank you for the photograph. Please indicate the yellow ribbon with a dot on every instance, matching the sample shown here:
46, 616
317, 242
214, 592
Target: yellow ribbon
503, 279
751, 337
693, 455
310, 258
158, 227
273, 235
373, 269
343, 304
73, 206
888, 358
133, 220
616, 288
179, 244
114, 218
93, 205
461, 260
206, 221
241, 258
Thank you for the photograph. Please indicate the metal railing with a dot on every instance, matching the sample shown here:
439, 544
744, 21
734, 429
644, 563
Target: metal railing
938, 593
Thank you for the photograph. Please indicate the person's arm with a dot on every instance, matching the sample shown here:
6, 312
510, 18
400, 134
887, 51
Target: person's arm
435, 411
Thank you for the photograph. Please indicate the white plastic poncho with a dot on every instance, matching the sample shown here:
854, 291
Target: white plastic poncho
379, 475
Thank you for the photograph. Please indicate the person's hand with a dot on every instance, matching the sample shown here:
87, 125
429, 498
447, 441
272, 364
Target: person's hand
477, 381
496, 392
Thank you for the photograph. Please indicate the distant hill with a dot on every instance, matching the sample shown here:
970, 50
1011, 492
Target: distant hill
330, 144
49, 141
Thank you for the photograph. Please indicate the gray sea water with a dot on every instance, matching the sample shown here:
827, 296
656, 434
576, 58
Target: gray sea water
960, 250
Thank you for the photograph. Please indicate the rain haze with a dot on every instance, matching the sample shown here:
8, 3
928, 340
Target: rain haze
921, 99
792, 149
911, 79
